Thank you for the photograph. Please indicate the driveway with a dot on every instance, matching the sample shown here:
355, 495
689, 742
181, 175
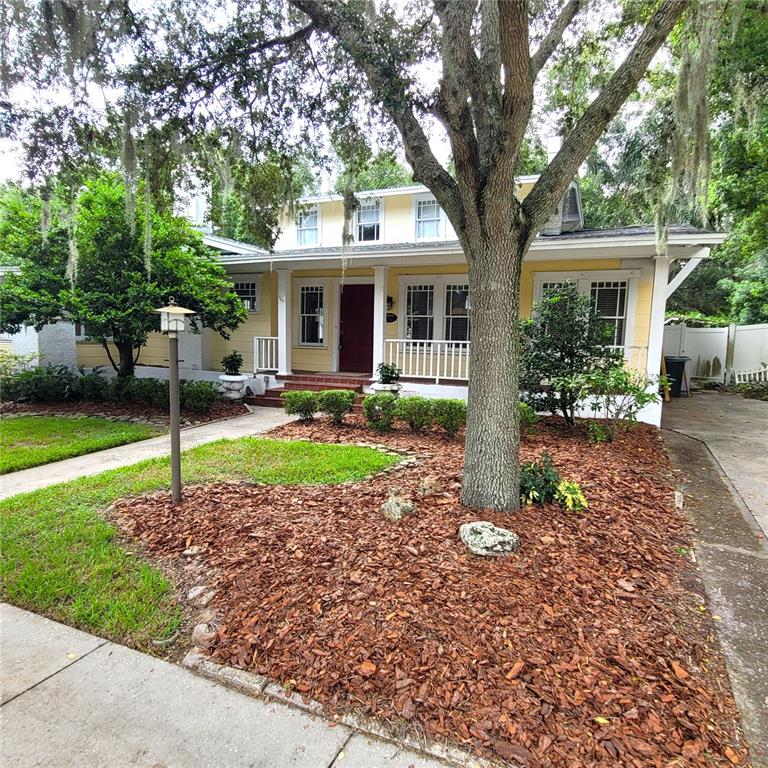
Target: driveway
736, 431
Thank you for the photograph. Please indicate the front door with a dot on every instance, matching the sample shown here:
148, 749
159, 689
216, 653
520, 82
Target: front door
356, 328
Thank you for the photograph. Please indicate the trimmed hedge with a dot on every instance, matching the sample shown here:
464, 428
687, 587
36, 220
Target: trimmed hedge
417, 412
450, 414
301, 403
336, 402
380, 411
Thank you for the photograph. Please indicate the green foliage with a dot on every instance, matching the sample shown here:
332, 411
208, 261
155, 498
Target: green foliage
387, 373
538, 480
696, 319
528, 418
301, 403
41, 384
232, 362
91, 387
417, 412
563, 338
450, 414
336, 402
754, 390
615, 393
112, 292
597, 433
381, 171
380, 411
570, 496
198, 396
141, 391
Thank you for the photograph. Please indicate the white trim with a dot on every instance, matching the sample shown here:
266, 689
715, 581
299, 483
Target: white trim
380, 275
439, 283
356, 224
253, 277
284, 318
319, 227
336, 325
232, 246
441, 226
309, 282
683, 274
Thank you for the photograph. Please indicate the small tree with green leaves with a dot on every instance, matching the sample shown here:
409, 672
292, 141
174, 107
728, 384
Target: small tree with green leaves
563, 338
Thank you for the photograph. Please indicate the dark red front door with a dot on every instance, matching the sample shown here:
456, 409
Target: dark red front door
356, 328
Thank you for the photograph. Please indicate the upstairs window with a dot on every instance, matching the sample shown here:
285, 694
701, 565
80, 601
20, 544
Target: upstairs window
250, 294
420, 312
457, 309
307, 225
369, 221
609, 298
311, 319
427, 219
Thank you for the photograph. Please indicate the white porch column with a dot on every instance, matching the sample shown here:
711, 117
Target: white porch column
656, 331
284, 331
379, 314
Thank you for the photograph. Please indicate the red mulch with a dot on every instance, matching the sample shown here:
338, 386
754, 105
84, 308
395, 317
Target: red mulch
585, 648
221, 410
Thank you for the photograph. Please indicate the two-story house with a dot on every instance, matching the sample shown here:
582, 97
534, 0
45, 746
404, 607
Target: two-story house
324, 314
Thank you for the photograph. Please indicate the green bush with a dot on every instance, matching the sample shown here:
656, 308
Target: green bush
336, 402
301, 403
528, 418
380, 411
232, 362
570, 496
450, 415
539, 481
754, 390
387, 373
597, 433
90, 387
142, 391
198, 396
41, 384
416, 412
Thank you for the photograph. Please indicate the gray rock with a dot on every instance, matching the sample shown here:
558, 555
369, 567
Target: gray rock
396, 507
485, 539
194, 658
203, 635
197, 592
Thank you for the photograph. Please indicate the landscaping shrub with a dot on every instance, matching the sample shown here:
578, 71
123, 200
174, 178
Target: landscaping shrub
754, 390
597, 433
570, 496
91, 387
41, 384
142, 391
232, 362
387, 373
450, 415
538, 480
416, 412
528, 418
336, 402
380, 411
198, 396
301, 403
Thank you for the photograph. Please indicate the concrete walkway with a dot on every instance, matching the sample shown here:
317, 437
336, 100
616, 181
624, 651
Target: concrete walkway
730, 547
258, 421
69, 698
736, 431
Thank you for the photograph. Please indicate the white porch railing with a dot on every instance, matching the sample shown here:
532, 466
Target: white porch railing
264, 353
429, 359
755, 376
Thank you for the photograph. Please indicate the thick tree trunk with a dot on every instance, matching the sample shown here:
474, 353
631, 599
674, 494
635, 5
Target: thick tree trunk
491, 470
126, 363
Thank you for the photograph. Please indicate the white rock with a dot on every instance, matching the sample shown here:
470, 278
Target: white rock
485, 539
197, 591
396, 507
203, 635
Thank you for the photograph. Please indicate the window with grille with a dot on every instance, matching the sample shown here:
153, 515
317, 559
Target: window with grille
249, 294
457, 309
420, 312
609, 298
369, 221
427, 219
311, 320
307, 225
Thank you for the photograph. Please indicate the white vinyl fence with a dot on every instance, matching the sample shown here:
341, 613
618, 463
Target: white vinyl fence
719, 354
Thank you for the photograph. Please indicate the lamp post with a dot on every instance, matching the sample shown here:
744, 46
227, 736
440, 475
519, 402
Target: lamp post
172, 321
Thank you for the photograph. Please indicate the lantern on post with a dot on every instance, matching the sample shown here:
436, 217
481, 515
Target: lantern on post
173, 320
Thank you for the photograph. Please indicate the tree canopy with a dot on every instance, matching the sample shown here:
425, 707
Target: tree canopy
113, 285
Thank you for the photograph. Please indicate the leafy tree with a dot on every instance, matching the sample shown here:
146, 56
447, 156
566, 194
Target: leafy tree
563, 339
102, 276
382, 171
290, 71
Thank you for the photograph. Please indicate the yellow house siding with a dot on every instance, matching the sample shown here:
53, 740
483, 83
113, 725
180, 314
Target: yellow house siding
92, 355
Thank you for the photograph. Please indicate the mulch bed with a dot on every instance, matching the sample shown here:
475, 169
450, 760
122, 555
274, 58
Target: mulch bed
126, 411
588, 647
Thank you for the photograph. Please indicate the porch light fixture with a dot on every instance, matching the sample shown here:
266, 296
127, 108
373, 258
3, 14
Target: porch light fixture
173, 320
390, 303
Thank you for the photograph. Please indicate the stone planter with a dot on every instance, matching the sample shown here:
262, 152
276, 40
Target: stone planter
233, 387
392, 388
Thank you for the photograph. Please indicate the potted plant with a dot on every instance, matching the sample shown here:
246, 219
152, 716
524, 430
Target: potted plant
387, 375
232, 381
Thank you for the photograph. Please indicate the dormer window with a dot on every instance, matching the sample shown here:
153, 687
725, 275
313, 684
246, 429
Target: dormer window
427, 219
307, 225
369, 221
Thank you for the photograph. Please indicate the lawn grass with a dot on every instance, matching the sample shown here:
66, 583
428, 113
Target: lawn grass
29, 441
59, 557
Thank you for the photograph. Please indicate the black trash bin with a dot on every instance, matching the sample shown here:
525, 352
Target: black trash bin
675, 365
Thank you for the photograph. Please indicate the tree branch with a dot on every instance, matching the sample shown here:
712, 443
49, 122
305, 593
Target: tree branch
105, 344
551, 186
555, 35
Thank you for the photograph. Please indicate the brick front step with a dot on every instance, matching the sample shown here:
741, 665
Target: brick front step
326, 378
272, 398
316, 386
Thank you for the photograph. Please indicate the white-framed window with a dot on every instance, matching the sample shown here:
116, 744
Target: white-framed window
428, 219
609, 298
249, 292
457, 311
420, 312
308, 225
311, 330
368, 221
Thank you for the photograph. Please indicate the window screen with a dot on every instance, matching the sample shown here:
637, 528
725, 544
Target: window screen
368, 221
457, 309
311, 321
420, 312
609, 298
427, 219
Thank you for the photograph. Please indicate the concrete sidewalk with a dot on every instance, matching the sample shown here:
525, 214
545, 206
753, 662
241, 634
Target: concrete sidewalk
258, 421
69, 698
